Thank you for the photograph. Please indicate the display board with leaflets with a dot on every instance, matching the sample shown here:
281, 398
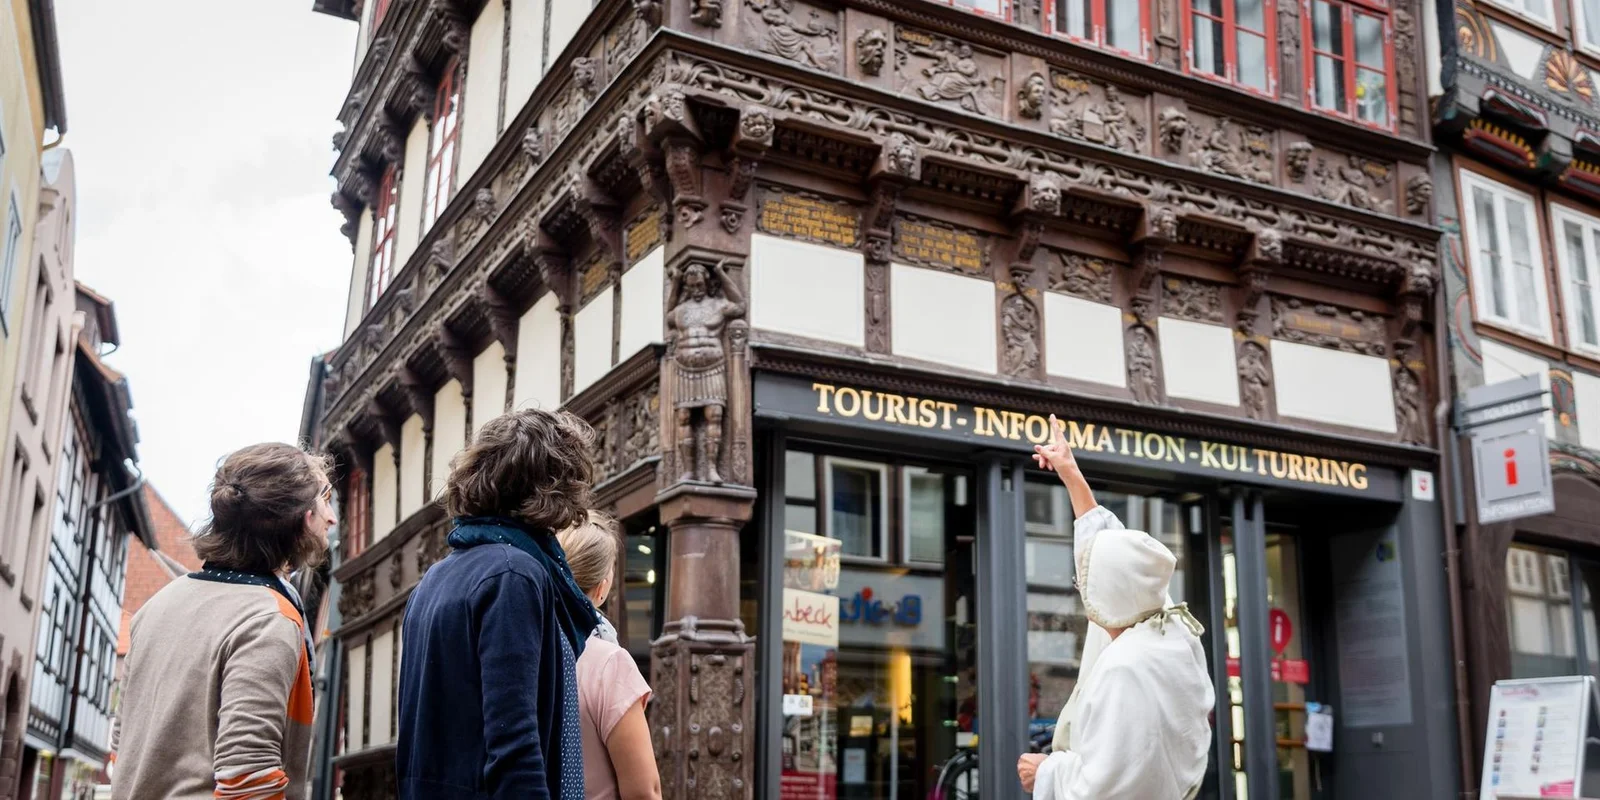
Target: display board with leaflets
1542, 739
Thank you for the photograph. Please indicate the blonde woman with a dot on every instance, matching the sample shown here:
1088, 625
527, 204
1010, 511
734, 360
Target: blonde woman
619, 762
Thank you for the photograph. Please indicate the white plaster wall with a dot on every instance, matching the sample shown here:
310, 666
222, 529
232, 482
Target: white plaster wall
1083, 340
382, 656
480, 126
356, 304
591, 340
413, 451
809, 290
385, 492
1332, 386
644, 300
1521, 51
355, 697
944, 318
538, 381
1502, 363
408, 226
1586, 397
525, 66
1197, 361
449, 433
488, 385
566, 16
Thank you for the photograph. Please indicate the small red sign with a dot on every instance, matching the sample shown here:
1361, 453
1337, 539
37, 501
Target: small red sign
1282, 630
1284, 670
1511, 466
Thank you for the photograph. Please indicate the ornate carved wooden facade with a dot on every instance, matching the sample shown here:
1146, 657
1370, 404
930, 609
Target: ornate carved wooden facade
926, 141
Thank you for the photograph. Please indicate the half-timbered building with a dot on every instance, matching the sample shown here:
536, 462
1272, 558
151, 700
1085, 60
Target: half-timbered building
817, 271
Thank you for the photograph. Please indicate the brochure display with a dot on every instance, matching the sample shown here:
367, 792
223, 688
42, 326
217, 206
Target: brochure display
1538, 737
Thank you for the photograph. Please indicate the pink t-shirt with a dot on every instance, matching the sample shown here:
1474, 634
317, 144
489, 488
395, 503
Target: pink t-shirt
609, 684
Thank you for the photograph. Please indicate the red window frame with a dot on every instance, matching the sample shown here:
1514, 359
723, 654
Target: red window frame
1230, 44
1004, 13
443, 136
1349, 68
357, 522
1097, 24
383, 239
377, 13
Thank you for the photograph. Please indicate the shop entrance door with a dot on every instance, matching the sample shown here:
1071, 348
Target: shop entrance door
1292, 635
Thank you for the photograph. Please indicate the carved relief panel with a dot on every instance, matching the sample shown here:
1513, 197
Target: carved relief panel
1227, 147
950, 72
1083, 108
1330, 326
1187, 298
796, 30
1082, 276
1342, 178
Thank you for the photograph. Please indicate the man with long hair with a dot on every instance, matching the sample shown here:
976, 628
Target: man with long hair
217, 696
488, 678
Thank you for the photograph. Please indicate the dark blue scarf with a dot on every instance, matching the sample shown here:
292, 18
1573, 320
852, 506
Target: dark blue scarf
574, 612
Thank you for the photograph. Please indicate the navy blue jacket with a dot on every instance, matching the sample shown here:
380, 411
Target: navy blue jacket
482, 681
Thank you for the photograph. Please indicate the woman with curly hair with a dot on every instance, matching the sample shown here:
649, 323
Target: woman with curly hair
493, 633
217, 698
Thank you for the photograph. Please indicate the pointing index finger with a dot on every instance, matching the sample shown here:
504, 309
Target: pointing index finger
1055, 431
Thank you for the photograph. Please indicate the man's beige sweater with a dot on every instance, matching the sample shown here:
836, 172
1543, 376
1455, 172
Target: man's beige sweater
216, 700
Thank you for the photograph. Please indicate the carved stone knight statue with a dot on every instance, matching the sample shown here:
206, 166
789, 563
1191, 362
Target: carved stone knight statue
700, 310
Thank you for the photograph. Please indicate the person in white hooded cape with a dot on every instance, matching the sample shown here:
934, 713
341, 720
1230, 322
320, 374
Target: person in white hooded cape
1137, 725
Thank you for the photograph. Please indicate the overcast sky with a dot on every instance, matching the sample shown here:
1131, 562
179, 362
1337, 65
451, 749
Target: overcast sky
201, 135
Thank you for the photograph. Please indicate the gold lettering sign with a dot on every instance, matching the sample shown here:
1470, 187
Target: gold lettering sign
594, 278
890, 409
642, 235
1072, 84
925, 242
916, 37
803, 216
1308, 320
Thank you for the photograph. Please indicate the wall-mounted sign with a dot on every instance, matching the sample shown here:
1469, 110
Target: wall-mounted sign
1281, 628
1284, 670
797, 215
867, 608
921, 241
1510, 454
1095, 442
810, 618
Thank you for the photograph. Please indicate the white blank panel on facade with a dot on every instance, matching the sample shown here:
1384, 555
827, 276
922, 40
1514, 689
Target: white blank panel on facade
449, 433
566, 17
1198, 361
413, 452
356, 304
382, 656
945, 318
526, 64
591, 341
1083, 340
385, 492
488, 385
1332, 386
1586, 397
480, 125
1502, 363
808, 290
538, 377
644, 300
408, 225
355, 696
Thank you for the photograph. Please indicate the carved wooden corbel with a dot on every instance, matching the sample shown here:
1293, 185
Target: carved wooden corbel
388, 427
752, 138
1420, 280
1264, 257
600, 214
503, 319
1021, 327
418, 90
1157, 230
421, 396
706, 12
900, 158
669, 122
350, 208
457, 357
391, 143
648, 12
877, 221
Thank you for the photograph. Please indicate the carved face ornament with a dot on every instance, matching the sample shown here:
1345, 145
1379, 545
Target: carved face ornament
756, 124
870, 48
695, 282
